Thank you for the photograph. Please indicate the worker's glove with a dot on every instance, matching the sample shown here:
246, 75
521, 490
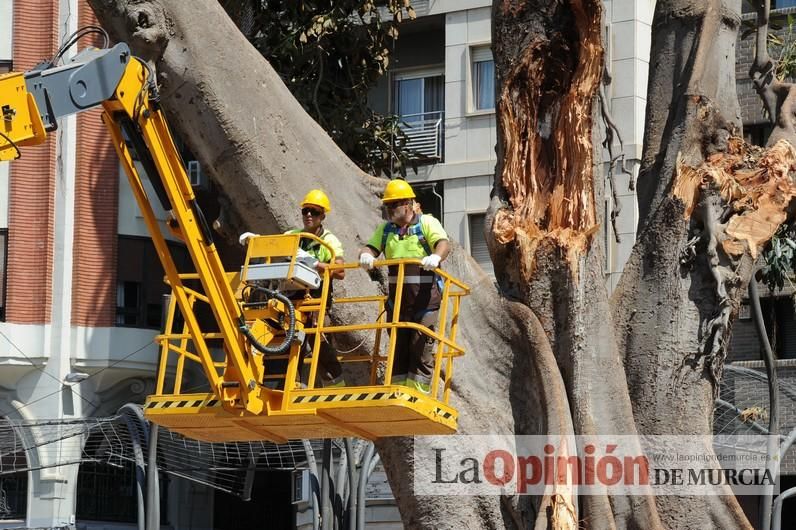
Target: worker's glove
366, 260
306, 258
431, 262
244, 237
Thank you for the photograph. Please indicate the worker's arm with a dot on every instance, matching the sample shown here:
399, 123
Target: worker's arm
442, 249
337, 274
369, 253
369, 250
438, 239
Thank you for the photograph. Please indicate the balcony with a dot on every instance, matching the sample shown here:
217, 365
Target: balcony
425, 134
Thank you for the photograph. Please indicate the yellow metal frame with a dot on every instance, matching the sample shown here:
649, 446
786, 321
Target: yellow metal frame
373, 411
23, 125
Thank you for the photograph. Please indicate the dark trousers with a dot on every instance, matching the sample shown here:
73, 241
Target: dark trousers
329, 367
414, 351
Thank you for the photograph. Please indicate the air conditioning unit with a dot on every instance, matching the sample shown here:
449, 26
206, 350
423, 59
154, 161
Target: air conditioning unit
195, 174
301, 486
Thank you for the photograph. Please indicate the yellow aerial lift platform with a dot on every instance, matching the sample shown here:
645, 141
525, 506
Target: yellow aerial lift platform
262, 314
372, 411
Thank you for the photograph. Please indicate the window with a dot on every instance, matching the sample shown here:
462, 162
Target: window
757, 134
14, 481
7, 26
14, 496
478, 248
483, 78
416, 95
429, 195
775, 4
106, 485
419, 100
5, 67
3, 265
106, 493
139, 281
780, 321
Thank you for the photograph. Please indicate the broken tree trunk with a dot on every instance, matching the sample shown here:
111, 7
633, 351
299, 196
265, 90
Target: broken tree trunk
707, 205
548, 60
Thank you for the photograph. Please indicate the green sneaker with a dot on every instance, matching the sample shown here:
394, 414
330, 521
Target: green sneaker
419, 385
337, 382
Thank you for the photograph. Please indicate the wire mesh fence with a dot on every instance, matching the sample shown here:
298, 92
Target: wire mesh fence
27, 445
743, 407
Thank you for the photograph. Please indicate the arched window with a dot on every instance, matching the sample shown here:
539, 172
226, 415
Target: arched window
13, 474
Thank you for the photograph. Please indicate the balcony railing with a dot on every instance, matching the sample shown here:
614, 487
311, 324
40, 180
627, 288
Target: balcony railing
425, 133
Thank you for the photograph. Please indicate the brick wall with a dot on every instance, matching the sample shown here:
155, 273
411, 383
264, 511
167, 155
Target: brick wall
31, 181
96, 211
751, 105
744, 344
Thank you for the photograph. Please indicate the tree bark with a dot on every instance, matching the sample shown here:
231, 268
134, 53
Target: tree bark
548, 61
684, 280
548, 353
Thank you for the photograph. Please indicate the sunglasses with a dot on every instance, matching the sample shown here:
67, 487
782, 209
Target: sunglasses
311, 211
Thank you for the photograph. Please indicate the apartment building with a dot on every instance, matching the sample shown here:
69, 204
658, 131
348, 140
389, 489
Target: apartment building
442, 85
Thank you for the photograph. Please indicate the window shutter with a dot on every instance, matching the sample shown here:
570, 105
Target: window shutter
481, 53
478, 248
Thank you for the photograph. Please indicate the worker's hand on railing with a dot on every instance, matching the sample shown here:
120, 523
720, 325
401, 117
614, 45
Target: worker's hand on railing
431, 262
244, 237
366, 260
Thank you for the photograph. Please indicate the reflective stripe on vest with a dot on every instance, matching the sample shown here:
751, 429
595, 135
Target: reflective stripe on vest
409, 279
312, 246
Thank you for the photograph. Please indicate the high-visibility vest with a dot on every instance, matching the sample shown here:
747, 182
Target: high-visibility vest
422, 289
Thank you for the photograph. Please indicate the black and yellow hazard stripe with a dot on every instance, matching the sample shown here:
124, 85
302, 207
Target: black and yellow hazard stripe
364, 396
181, 403
352, 396
444, 413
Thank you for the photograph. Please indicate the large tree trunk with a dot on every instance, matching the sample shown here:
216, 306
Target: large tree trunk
548, 353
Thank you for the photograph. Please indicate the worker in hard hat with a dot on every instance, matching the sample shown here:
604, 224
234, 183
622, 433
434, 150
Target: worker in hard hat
314, 208
409, 234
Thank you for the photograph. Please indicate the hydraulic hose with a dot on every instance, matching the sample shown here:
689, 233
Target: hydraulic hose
289, 334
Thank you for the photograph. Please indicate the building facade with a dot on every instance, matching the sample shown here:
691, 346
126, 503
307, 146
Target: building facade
81, 301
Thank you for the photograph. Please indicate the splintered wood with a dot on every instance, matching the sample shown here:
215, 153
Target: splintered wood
545, 117
755, 183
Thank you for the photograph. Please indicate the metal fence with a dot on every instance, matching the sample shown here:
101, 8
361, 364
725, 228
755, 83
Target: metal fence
425, 133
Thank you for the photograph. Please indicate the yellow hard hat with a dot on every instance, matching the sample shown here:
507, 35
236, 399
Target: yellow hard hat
396, 190
317, 198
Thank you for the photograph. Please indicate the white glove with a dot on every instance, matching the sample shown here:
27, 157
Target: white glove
431, 262
244, 237
366, 260
307, 258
